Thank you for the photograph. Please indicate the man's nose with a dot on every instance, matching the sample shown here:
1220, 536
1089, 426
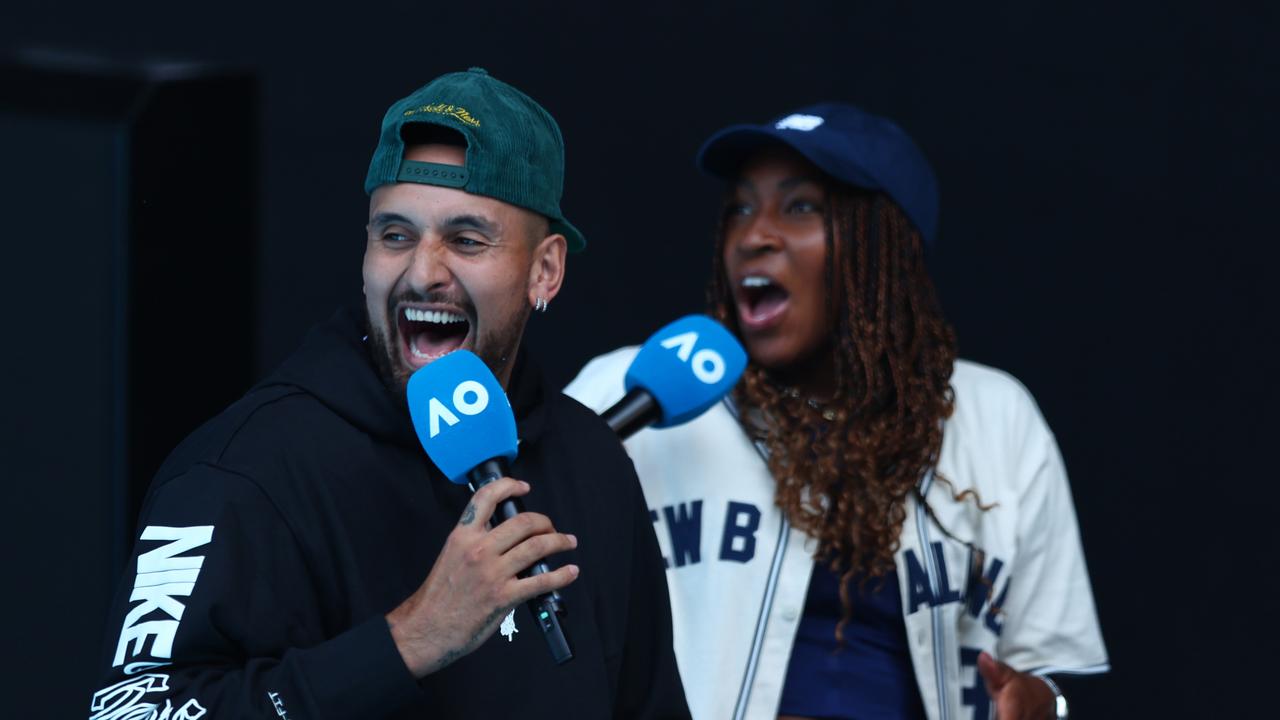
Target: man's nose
429, 267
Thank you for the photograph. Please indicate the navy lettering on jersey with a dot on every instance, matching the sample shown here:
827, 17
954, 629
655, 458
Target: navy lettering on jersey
974, 695
918, 590
653, 518
978, 591
684, 525
982, 587
993, 620
740, 524
945, 593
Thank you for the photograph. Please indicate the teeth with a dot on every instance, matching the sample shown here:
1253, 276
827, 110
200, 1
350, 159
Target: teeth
432, 316
755, 281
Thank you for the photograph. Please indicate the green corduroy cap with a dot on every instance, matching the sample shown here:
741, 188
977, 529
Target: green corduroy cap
514, 149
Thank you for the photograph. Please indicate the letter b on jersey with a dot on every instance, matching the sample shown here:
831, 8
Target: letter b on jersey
741, 522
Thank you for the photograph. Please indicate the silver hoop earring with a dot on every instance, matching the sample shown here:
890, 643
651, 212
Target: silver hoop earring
540, 304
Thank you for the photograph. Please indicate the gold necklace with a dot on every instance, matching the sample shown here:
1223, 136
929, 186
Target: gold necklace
813, 403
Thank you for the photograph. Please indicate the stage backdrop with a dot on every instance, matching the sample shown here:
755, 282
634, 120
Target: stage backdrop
1107, 227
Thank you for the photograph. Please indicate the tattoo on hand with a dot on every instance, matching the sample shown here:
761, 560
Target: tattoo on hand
445, 660
468, 515
488, 625
453, 654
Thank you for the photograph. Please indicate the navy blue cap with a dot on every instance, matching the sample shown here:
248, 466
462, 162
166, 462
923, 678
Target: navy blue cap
847, 143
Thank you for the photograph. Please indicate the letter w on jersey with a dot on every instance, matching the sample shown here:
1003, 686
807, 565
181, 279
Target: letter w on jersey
164, 575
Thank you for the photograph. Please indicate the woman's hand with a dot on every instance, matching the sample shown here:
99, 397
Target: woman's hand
1017, 695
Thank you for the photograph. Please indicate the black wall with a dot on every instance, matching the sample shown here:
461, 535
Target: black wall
123, 334
1106, 229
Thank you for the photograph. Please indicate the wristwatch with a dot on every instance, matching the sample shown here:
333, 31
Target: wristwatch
1059, 702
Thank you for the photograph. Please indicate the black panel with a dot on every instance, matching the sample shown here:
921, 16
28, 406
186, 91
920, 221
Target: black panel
129, 208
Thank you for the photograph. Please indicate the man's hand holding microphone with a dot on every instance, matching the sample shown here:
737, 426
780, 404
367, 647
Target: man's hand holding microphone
465, 423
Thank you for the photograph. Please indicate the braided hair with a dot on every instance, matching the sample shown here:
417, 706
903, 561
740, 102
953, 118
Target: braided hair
844, 471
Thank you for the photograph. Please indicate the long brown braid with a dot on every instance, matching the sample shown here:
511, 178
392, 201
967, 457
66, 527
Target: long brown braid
844, 479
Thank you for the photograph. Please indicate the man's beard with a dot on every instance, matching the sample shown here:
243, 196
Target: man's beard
495, 347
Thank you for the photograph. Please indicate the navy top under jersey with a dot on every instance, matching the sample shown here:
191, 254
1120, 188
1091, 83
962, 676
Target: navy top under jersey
870, 677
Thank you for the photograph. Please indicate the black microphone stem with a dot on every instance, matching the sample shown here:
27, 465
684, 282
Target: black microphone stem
547, 608
637, 409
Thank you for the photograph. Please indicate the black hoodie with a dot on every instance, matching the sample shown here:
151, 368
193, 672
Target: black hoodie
276, 537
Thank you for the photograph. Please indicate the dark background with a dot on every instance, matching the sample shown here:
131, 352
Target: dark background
1107, 226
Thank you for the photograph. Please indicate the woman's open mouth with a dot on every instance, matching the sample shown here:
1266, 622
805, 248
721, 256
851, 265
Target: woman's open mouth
761, 302
429, 334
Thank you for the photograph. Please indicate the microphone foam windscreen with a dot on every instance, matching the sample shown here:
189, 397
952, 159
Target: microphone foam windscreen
687, 366
461, 414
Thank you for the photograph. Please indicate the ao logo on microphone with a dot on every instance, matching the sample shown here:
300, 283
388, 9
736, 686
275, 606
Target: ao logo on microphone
707, 364
469, 398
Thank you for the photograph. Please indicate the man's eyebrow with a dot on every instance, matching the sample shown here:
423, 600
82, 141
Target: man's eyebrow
384, 219
471, 221
479, 223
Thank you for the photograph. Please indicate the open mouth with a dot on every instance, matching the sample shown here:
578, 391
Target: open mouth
428, 334
761, 301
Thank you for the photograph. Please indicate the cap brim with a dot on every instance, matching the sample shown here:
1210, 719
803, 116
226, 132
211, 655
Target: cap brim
724, 152
573, 237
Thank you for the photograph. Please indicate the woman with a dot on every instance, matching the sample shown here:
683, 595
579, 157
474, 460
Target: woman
869, 527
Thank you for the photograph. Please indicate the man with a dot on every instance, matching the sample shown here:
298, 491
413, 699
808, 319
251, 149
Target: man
281, 562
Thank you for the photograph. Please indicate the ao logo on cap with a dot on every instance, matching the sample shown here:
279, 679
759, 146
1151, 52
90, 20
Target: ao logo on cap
798, 121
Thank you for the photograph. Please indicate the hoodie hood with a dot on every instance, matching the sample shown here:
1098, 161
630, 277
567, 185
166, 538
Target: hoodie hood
334, 365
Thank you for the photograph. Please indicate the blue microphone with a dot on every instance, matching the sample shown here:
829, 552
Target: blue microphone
465, 423
679, 373
461, 414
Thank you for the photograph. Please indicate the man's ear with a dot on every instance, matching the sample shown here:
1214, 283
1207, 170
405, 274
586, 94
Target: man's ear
547, 271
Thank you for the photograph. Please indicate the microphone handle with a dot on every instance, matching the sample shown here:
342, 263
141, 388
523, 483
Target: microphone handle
637, 409
547, 608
